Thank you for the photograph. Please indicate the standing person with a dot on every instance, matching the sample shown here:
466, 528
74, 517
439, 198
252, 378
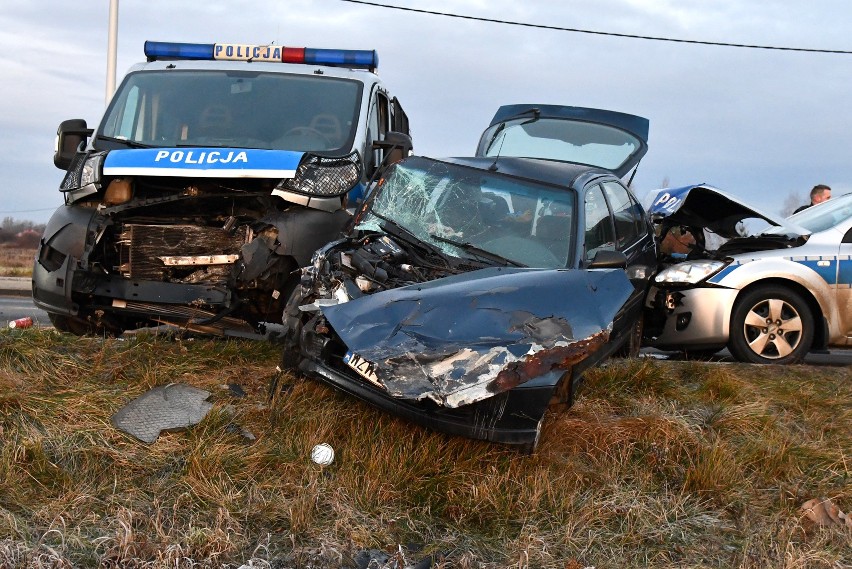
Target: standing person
819, 194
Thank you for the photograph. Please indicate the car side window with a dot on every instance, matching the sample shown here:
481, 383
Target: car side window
625, 213
600, 234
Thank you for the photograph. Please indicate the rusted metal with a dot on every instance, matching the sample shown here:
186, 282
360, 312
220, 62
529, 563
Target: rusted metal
561, 357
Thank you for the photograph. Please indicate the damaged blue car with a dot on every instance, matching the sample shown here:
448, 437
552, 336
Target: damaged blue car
471, 293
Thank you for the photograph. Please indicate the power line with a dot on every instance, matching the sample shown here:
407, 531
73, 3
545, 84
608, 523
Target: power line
27, 210
595, 32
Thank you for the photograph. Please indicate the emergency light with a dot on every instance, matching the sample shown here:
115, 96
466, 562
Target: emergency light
359, 58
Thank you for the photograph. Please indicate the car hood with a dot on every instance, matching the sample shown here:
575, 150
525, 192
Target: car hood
632, 124
703, 206
464, 338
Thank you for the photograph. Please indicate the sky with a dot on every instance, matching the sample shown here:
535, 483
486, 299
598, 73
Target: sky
764, 125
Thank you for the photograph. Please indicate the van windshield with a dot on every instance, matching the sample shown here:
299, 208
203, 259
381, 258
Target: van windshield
274, 111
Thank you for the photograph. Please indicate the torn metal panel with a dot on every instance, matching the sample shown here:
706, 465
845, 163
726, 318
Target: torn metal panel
163, 408
464, 338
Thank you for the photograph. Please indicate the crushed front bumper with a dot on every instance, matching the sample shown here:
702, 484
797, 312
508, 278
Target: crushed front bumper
513, 417
692, 317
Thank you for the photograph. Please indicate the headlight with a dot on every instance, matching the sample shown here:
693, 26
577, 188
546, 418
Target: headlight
322, 176
84, 174
689, 272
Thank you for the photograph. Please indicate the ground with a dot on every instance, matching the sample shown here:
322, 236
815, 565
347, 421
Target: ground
658, 464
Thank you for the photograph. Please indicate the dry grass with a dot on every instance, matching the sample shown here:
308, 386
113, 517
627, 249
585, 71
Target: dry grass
16, 261
658, 464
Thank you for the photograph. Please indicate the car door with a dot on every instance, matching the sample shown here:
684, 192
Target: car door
844, 285
615, 221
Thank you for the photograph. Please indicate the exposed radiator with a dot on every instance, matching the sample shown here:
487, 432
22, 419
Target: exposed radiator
141, 246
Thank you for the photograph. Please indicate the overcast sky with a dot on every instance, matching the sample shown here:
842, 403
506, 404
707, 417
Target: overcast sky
760, 124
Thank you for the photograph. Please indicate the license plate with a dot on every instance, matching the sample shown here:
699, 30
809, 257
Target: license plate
362, 367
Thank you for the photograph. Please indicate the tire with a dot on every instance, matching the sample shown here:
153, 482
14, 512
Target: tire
771, 325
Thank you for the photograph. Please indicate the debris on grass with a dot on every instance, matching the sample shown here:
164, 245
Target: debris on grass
824, 512
163, 408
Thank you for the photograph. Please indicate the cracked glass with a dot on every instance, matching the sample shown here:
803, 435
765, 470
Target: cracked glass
460, 209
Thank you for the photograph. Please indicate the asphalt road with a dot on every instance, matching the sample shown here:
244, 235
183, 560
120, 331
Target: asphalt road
13, 307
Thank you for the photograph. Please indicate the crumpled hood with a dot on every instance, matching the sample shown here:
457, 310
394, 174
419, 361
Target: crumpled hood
464, 338
707, 207
211, 162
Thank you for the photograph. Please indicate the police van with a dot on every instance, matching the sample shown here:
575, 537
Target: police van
215, 173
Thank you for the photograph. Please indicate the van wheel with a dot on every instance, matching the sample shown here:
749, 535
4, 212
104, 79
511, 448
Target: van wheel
771, 325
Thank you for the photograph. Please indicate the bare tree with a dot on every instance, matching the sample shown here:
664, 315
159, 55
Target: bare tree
791, 202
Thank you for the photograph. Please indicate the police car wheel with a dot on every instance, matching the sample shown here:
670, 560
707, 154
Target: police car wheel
771, 325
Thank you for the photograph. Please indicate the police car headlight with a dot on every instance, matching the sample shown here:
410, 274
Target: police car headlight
690, 272
84, 173
324, 176
92, 170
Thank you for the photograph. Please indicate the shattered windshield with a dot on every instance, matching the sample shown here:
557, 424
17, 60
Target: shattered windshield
560, 139
462, 210
274, 111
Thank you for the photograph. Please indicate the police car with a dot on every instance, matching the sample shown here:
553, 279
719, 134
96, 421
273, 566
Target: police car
216, 171
768, 289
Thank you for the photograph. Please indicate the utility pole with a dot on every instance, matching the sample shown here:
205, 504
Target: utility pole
111, 49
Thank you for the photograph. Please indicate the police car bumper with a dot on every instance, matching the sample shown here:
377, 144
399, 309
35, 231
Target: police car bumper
697, 317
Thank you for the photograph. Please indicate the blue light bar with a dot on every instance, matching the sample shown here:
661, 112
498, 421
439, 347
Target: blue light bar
368, 59
353, 58
155, 50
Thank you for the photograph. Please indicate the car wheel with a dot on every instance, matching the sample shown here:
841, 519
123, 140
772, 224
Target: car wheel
771, 324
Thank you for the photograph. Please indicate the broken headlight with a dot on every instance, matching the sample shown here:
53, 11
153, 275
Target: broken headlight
83, 177
689, 272
324, 176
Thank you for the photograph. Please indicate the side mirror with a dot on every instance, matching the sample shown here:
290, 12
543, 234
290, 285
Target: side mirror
69, 136
396, 146
607, 259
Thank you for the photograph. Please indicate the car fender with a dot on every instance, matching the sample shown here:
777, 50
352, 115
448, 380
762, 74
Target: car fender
746, 272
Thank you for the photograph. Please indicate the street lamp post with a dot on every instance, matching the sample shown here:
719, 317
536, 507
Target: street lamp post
111, 48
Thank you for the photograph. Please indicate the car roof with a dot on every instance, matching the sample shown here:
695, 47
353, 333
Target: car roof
547, 171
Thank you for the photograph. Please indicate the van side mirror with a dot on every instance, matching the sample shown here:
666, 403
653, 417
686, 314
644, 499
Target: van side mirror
396, 146
607, 259
69, 136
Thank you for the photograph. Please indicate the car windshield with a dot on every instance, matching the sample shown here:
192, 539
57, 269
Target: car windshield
275, 111
469, 212
560, 139
825, 215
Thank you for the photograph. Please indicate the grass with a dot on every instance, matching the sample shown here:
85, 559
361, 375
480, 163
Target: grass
16, 261
658, 464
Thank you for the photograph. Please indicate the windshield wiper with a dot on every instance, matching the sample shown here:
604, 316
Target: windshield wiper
480, 252
130, 143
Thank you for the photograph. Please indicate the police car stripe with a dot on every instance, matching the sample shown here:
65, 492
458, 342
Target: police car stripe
826, 266
202, 162
198, 173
